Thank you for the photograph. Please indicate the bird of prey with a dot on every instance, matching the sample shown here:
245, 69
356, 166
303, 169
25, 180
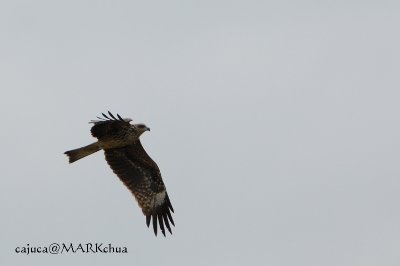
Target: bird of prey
129, 161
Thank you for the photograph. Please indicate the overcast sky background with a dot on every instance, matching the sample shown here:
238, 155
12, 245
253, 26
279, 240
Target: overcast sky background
275, 125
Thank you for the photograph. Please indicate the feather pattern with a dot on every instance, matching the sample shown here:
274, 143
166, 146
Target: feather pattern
142, 177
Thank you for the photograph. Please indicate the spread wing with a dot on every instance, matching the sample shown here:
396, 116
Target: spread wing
142, 177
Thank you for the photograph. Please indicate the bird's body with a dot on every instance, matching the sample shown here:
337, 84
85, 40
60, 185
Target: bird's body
130, 162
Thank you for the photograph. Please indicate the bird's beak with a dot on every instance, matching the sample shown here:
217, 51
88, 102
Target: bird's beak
148, 129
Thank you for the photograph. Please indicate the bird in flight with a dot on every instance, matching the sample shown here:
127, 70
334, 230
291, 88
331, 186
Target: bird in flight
129, 161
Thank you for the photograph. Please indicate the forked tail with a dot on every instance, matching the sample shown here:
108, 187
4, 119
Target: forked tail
75, 155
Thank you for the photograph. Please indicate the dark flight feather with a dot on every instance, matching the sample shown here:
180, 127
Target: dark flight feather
142, 177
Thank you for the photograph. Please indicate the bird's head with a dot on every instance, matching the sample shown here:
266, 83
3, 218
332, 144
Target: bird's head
141, 128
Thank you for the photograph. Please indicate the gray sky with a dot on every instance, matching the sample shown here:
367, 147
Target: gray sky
275, 125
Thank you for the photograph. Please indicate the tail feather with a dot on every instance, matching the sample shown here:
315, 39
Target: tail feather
79, 153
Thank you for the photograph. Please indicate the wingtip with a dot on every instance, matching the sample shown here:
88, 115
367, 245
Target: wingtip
148, 218
155, 224
164, 220
161, 223
120, 118
112, 116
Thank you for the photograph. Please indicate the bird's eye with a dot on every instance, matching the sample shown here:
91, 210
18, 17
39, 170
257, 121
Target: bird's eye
141, 126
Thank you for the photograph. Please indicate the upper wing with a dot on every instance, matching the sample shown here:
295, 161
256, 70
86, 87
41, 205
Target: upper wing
143, 178
109, 127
